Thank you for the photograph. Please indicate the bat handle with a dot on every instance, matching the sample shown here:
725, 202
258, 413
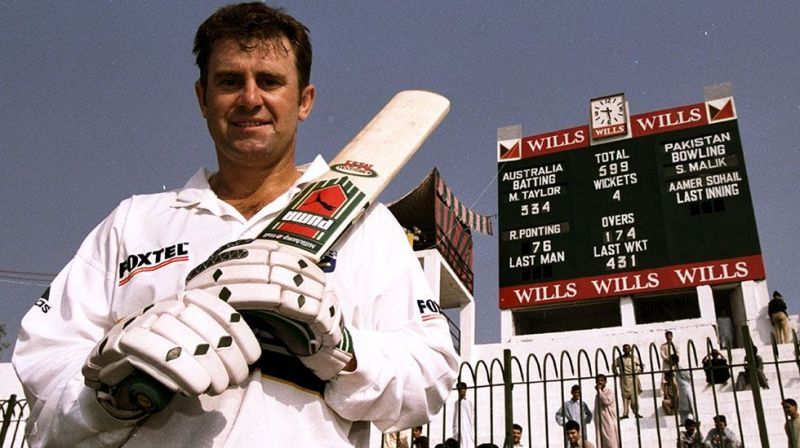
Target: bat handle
147, 393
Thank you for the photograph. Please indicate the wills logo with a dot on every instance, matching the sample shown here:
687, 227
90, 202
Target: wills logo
509, 150
151, 261
355, 168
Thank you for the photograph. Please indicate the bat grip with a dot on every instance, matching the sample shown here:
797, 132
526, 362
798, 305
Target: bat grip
146, 392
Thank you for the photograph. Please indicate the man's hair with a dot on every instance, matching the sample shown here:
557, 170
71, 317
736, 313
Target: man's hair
689, 422
572, 424
721, 418
790, 401
575, 387
668, 332
600, 376
249, 23
516, 426
461, 385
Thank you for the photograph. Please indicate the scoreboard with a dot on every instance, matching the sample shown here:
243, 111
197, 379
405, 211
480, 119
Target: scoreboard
665, 206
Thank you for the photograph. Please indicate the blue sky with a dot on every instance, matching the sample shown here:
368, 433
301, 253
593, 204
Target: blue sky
97, 103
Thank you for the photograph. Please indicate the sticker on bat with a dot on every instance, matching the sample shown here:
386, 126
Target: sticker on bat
354, 168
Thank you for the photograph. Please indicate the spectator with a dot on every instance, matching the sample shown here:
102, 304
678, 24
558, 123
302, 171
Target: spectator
463, 419
792, 425
716, 368
690, 436
720, 436
417, 439
516, 432
669, 393
743, 380
667, 350
684, 383
628, 368
776, 308
395, 440
606, 415
575, 437
574, 409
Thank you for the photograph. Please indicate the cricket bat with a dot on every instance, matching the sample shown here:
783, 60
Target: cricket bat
325, 208
321, 213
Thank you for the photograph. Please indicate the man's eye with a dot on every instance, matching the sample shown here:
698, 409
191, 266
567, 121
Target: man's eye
267, 83
228, 82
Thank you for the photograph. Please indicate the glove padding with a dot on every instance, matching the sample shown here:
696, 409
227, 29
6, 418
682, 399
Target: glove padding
192, 343
280, 291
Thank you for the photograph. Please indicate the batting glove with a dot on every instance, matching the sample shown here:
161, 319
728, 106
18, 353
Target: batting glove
192, 344
284, 293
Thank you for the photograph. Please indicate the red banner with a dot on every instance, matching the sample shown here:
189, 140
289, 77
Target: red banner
627, 283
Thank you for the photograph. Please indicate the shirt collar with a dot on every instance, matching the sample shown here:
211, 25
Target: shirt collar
198, 193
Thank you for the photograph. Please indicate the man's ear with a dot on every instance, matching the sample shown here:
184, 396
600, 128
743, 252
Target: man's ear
201, 97
306, 102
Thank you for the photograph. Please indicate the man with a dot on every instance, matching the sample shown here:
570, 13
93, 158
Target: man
574, 409
743, 380
690, 436
516, 433
683, 384
606, 413
417, 439
463, 418
667, 349
574, 436
792, 425
628, 368
720, 436
123, 323
716, 368
776, 309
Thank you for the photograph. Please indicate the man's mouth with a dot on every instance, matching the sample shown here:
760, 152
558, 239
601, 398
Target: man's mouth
250, 124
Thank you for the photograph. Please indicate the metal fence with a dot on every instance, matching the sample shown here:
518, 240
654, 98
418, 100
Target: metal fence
14, 414
528, 392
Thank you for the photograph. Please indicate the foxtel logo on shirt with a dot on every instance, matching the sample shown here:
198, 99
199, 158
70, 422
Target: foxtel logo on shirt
429, 309
151, 261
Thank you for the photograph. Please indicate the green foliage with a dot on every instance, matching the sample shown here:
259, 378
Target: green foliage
3, 343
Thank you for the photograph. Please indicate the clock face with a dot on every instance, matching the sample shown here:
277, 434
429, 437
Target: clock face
608, 111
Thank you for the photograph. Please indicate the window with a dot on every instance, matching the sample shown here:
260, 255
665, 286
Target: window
583, 316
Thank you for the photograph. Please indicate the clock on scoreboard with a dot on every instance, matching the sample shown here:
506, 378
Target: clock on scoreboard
665, 204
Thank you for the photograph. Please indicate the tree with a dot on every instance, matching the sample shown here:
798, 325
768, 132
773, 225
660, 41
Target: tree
3, 343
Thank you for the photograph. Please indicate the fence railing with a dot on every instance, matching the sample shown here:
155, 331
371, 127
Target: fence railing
12, 426
528, 391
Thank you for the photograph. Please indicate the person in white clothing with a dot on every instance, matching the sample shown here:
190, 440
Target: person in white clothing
130, 346
464, 418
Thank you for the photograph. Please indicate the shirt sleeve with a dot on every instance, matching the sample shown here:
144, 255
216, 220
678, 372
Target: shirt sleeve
560, 416
55, 337
406, 362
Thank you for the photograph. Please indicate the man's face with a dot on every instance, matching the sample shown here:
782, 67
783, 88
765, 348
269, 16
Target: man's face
573, 435
416, 432
626, 349
690, 429
669, 337
601, 382
462, 393
252, 102
517, 435
720, 425
789, 410
576, 394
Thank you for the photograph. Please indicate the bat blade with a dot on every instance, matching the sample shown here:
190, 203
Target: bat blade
325, 208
